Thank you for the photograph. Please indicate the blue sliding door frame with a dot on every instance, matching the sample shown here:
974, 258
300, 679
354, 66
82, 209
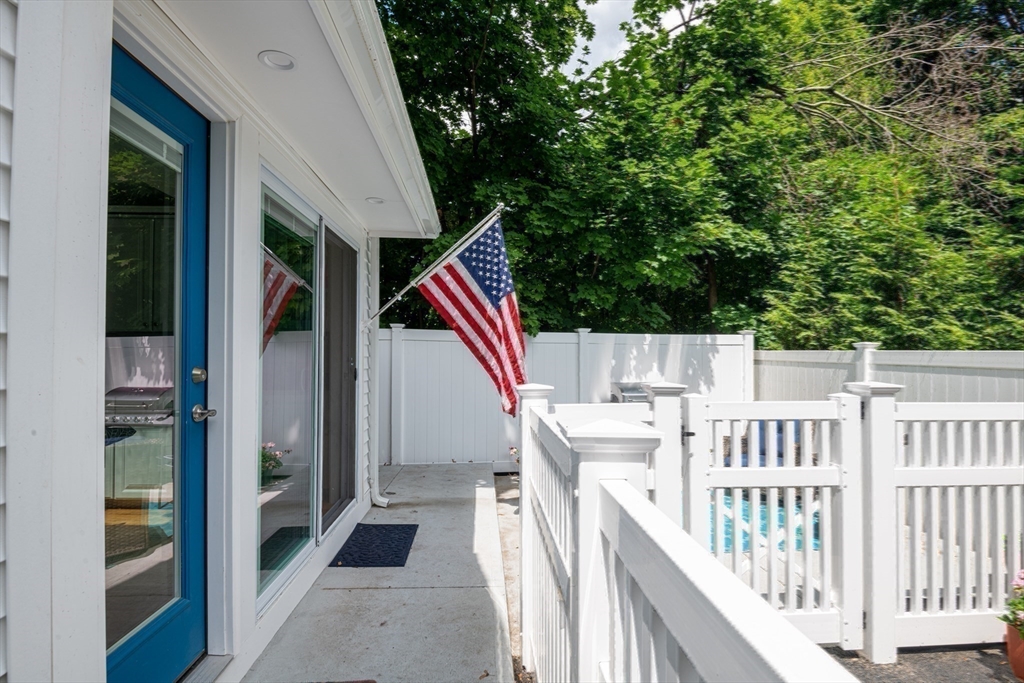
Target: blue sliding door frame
166, 646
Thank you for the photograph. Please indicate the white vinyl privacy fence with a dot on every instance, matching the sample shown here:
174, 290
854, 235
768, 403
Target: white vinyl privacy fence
612, 588
438, 406
946, 376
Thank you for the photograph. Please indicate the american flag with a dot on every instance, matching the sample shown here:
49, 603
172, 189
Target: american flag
472, 290
279, 286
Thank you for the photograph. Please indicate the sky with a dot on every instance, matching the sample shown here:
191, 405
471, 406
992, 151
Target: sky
609, 41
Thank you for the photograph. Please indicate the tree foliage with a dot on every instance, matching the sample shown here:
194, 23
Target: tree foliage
820, 171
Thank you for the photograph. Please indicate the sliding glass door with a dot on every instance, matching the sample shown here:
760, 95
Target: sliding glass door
289, 384
308, 380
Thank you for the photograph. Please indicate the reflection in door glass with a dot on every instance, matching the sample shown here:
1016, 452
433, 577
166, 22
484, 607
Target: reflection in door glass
288, 382
143, 226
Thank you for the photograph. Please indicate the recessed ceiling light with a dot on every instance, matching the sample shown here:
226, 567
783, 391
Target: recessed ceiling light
275, 59
375, 200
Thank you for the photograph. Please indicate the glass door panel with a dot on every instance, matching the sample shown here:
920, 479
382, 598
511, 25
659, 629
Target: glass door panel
140, 447
288, 386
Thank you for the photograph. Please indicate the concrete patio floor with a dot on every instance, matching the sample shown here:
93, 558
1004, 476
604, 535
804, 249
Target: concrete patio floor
442, 617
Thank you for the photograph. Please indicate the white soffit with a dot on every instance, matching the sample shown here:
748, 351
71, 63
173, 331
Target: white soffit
340, 107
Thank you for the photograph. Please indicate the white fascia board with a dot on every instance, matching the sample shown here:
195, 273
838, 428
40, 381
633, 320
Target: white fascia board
354, 32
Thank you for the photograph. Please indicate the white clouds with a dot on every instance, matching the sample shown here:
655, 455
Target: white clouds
609, 41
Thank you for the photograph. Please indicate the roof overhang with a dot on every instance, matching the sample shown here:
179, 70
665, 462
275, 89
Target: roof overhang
341, 108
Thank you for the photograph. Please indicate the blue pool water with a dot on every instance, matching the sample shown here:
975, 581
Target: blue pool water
780, 525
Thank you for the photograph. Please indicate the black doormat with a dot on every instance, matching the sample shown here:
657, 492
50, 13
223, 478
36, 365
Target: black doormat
377, 545
282, 544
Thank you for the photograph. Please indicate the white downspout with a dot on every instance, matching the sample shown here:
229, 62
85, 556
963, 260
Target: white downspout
374, 407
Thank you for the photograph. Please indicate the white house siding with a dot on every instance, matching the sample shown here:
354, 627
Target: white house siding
8, 21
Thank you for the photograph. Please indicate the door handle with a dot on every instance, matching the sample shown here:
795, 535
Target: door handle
199, 413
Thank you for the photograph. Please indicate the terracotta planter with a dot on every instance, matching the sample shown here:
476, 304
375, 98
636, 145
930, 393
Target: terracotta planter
1015, 651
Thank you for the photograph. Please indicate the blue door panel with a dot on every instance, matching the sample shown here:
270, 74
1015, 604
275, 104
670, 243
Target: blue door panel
165, 647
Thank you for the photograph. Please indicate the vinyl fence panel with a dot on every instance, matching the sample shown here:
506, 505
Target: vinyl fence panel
929, 376
437, 404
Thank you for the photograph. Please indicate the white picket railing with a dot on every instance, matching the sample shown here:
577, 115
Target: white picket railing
551, 513
930, 494
857, 520
782, 481
612, 589
661, 580
958, 477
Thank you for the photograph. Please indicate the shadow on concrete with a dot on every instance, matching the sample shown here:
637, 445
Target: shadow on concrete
442, 617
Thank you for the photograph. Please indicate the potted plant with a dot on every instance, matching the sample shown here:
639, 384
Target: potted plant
1014, 618
270, 460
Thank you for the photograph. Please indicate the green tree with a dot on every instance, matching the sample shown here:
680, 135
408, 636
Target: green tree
819, 171
489, 104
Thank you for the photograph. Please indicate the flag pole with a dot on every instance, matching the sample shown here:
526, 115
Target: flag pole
284, 266
430, 269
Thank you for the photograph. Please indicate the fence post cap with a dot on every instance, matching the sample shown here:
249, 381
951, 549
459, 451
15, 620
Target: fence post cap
583, 330
747, 333
873, 389
842, 395
866, 345
397, 326
663, 389
529, 392
612, 436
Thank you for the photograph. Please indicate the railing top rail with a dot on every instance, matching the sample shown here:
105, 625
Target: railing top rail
574, 414
556, 446
960, 412
727, 630
773, 410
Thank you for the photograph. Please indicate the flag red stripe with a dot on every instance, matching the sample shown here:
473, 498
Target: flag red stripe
469, 291
277, 280
474, 295
268, 330
510, 341
487, 354
278, 289
450, 319
489, 342
464, 320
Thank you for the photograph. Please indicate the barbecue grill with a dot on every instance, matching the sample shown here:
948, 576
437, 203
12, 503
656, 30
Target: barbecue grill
135, 406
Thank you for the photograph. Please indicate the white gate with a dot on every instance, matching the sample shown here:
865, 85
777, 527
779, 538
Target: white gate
773, 490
